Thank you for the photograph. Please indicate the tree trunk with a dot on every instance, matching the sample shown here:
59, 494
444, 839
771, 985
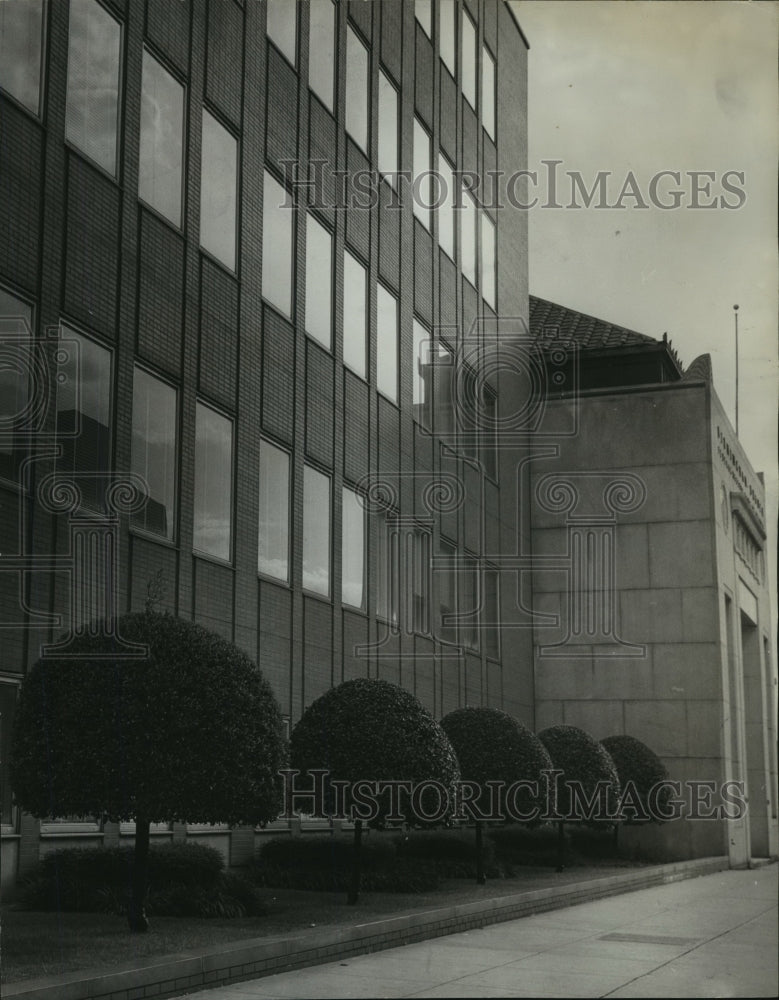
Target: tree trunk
354, 889
481, 878
136, 915
560, 846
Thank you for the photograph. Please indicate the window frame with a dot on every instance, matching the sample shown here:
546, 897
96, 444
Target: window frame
423, 213
347, 252
296, 40
346, 488
486, 56
202, 553
474, 105
395, 400
262, 573
331, 105
311, 467
38, 111
289, 316
311, 219
389, 176
233, 268
136, 528
352, 32
179, 225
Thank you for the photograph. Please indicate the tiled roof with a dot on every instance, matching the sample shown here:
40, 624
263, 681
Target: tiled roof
549, 321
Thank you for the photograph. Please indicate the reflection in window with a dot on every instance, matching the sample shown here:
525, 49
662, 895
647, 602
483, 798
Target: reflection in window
468, 60
355, 313
352, 550
273, 547
281, 26
16, 334
316, 531
21, 42
418, 612
218, 191
423, 15
93, 82
357, 90
319, 272
422, 176
489, 432
446, 578
491, 625
276, 246
444, 404
387, 344
387, 568
488, 259
468, 237
7, 711
468, 576
488, 93
213, 483
446, 211
84, 414
321, 51
448, 39
154, 451
162, 136
388, 128
422, 390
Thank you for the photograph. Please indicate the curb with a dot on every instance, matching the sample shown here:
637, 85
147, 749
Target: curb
170, 975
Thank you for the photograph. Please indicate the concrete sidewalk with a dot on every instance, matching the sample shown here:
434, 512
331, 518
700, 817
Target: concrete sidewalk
714, 936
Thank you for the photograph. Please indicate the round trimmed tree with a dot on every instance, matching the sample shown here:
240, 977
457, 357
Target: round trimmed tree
367, 730
190, 733
639, 770
492, 746
588, 787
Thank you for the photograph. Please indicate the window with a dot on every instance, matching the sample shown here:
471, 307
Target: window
489, 432
316, 531
281, 25
352, 549
418, 612
424, 15
84, 415
92, 113
7, 711
357, 89
491, 614
488, 93
21, 43
422, 175
162, 140
213, 483
154, 452
387, 568
446, 211
321, 51
448, 39
319, 280
388, 129
468, 237
273, 547
469, 602
422, 374
218, 191
488, 259
16, 341
447, 593
276, 246
468, 60
355, 314
444, 404
387, 344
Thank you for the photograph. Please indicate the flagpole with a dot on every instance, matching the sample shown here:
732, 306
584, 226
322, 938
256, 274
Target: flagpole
735, 314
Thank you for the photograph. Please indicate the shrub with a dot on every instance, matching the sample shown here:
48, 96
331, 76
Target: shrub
325, 852
639, 769
192, 732
520, 844
450, 852
584, 762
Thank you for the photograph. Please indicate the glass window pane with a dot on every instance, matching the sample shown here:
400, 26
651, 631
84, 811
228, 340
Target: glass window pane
448, 39
468, 237
446, 211
218, 191
353, 550
7, 711
420, 582
154, 451
355, 314
273, 548
488, 93
93, 82
162, 137
444, 404
276, 246
15, 371
491, 614
357, 90
488, 259
388, 128
422, 165
321, 51
422, 375
423, 13
319, 272
282, 24
387, 568
387, 344
489, 437
316, 531
213, 483
468, 60
21, 37
469, 602
446, 579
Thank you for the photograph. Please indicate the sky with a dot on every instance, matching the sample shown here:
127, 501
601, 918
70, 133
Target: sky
651, 86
